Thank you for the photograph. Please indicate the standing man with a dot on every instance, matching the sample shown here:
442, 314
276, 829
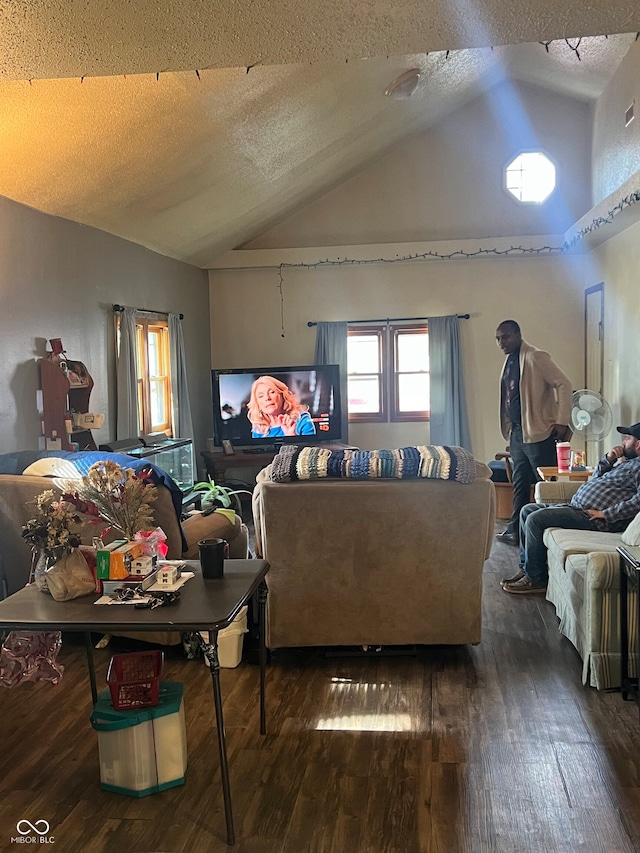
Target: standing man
535, 405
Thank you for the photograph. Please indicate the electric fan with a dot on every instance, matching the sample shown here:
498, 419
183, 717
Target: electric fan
591, 415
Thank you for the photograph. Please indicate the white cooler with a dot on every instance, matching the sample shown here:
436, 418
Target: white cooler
143, 750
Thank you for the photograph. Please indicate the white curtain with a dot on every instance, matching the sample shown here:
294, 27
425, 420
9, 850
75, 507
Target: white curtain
182, 423
331, 348
449, 422
126, 378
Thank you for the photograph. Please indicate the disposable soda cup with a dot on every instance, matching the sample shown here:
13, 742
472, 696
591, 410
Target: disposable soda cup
563, 450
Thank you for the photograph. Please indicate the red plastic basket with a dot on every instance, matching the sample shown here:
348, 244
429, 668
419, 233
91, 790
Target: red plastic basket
134, 679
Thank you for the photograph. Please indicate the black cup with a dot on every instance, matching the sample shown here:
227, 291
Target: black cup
212, 556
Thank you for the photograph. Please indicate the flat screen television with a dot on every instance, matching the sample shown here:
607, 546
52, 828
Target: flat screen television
269, 406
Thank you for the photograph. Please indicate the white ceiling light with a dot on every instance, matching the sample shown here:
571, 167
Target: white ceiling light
404, 86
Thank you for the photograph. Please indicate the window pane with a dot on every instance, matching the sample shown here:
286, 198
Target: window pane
413, 392
154, 353
158, 402
364, 394
363, 354
413, 352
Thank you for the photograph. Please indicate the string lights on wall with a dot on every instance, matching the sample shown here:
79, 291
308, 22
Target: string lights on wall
461, 254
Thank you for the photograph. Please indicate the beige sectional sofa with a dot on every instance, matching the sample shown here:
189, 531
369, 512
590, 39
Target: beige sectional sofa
374, 562
584, 587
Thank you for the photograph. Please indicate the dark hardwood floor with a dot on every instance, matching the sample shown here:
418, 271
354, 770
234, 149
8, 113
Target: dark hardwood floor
496, 747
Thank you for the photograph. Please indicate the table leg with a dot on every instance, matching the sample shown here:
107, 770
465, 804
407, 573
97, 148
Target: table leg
90, 664
624, 631
262, 600
211, 652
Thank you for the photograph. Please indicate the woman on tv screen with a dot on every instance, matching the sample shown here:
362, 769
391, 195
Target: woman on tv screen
275, 411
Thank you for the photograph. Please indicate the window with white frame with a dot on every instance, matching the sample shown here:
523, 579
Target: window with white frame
388, 373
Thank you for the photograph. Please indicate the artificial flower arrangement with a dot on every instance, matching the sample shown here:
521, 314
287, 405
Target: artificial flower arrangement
107, 494
120, 497
54, 524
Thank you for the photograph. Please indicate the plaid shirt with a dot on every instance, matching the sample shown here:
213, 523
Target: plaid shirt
614, 489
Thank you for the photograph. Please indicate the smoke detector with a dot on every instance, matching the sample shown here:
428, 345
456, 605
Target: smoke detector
404, 86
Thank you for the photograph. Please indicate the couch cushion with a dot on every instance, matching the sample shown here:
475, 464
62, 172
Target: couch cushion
562, 541
631, 536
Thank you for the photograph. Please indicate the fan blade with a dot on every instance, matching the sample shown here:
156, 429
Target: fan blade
589, 402
597, 424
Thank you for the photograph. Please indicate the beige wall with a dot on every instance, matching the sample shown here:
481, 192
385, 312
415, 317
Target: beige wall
60, 279
617, 264
545, 295
447, 183
616, 148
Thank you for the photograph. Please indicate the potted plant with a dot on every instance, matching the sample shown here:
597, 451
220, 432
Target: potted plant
215, 495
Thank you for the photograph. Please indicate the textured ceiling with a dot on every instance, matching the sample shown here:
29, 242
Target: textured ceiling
192, 166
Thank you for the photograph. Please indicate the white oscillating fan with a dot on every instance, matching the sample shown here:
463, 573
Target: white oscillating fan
591, 415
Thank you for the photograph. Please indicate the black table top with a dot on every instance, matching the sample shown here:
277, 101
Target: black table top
631, 553
203, 605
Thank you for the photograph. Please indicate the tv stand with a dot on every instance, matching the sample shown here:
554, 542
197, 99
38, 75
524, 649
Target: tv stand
253, 457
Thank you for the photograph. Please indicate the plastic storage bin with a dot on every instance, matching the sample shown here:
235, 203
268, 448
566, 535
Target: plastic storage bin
230, 641
145, 750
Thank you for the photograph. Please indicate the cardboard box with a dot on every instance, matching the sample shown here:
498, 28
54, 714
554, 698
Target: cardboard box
103, 558
143, 565
167, 575
87, 420
121, 559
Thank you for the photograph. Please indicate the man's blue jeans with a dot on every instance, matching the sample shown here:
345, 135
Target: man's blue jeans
534, 520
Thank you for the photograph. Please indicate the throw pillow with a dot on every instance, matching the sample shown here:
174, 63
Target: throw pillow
631, 536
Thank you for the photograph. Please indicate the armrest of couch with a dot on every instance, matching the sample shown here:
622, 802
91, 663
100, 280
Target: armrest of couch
555, 491
215, 526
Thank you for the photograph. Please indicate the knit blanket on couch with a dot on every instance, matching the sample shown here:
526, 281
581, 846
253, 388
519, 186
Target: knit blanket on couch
433, 461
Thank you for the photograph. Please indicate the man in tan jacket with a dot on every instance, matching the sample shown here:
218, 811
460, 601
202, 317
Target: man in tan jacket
535, 405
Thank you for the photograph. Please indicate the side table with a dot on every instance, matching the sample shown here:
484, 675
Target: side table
629, 574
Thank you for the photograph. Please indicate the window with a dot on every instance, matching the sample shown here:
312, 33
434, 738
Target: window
154, 387
531, 177
388, 373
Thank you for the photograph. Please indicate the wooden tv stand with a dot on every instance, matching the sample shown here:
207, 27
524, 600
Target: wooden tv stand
218, 462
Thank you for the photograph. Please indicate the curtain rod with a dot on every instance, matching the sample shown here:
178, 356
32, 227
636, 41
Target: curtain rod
118, 309
393, 319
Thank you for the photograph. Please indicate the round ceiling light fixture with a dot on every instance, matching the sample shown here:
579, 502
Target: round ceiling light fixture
404, 86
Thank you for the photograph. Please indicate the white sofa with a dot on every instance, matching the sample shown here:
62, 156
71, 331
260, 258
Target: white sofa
584, 587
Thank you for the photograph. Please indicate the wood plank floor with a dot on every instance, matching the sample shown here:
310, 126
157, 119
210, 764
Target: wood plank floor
496, 747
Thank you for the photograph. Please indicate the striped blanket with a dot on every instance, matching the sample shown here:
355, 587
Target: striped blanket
312, 463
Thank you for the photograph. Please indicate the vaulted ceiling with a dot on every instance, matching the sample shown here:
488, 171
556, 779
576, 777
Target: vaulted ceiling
191, 126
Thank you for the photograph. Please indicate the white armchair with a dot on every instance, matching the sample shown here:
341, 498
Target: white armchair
584, 587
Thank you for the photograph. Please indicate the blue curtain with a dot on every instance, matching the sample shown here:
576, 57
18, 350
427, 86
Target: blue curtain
331, 348
449, 421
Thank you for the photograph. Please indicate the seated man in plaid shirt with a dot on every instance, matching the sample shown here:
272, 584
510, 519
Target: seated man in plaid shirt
606, 502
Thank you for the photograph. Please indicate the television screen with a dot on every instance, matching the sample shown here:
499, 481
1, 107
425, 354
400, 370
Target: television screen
276, 405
